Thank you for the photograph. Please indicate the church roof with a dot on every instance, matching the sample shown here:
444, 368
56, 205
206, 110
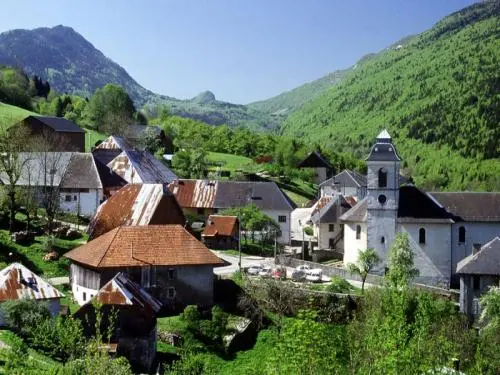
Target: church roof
414, 206
485, 262
383, 149
471, 206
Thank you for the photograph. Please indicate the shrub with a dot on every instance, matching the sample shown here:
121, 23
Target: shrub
339, 285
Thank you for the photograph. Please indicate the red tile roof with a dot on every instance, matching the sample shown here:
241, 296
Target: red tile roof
137, 204
129, 246
219, 225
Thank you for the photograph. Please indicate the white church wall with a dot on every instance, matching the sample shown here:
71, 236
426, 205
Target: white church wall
351, 244
432, 258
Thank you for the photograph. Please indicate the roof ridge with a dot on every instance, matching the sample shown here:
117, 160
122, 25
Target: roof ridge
117, 229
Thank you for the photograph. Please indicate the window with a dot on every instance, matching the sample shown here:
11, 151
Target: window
67, 198
282, 219
382, 199
331, 227
461, 234
476, 281
84, 296
75, 197
200, 211
358, 232
421, 236
171, 274
382, 240
331, 243
382, 178
171, 292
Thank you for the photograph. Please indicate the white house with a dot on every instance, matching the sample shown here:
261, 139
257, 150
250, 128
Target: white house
70, 176
434, 228
347, 183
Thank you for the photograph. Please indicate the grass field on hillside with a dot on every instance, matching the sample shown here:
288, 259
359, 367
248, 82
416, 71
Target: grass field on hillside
91, 137
229, 162
10, 114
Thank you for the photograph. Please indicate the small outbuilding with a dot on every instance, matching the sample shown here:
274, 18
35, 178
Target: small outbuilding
133, 330
221, 232
323, 169
478, 272
18, 282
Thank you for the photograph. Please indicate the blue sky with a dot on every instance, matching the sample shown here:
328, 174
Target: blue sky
242, 50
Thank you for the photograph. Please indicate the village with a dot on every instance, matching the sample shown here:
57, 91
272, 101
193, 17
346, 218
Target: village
147, 244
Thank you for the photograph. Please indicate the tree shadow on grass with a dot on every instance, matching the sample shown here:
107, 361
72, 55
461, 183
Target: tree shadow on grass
10, 254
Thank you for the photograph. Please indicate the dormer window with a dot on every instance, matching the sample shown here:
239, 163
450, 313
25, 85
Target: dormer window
382, 178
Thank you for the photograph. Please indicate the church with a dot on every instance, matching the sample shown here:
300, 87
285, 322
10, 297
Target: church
443, 228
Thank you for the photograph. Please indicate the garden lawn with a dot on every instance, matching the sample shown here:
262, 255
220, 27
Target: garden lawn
228, 161
10, 114
32, 256
91, 137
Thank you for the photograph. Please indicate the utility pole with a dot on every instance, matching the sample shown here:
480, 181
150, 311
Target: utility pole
239, 243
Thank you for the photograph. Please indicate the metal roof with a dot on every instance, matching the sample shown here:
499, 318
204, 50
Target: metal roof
140, 166
346, 178
114, 142
59, 124
136, 204
229, 194
17, 281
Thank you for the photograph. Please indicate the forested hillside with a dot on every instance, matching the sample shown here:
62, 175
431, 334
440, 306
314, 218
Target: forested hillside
439, 96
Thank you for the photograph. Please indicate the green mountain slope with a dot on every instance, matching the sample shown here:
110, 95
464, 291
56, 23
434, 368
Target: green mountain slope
284, 104
438, 94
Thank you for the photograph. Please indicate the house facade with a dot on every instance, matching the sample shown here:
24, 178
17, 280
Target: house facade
68, 179
221, 232
204, 198
322, 168
166, 260
64, 135
18, 282
347, 183
134, 335
478, 272
442, 228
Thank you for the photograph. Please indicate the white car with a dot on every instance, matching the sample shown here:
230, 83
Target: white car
254, 269
303, 267
266, 271
314, 275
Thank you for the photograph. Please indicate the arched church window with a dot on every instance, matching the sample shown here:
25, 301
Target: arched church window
358, 232
382, 178
421, 236
461, 234
382, 240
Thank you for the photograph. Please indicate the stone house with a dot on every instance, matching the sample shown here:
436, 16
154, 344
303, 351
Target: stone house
478, 272
137, 204
70, 137
166, 260
322, 168
18, 282
221, 232
204, 198
134, 334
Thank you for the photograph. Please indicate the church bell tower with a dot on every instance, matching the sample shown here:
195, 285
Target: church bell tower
383, 196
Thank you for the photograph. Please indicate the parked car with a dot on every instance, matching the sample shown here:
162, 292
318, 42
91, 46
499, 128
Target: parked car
303, 267
298, 275
314, 275
266, 271
254, 269
279, 273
